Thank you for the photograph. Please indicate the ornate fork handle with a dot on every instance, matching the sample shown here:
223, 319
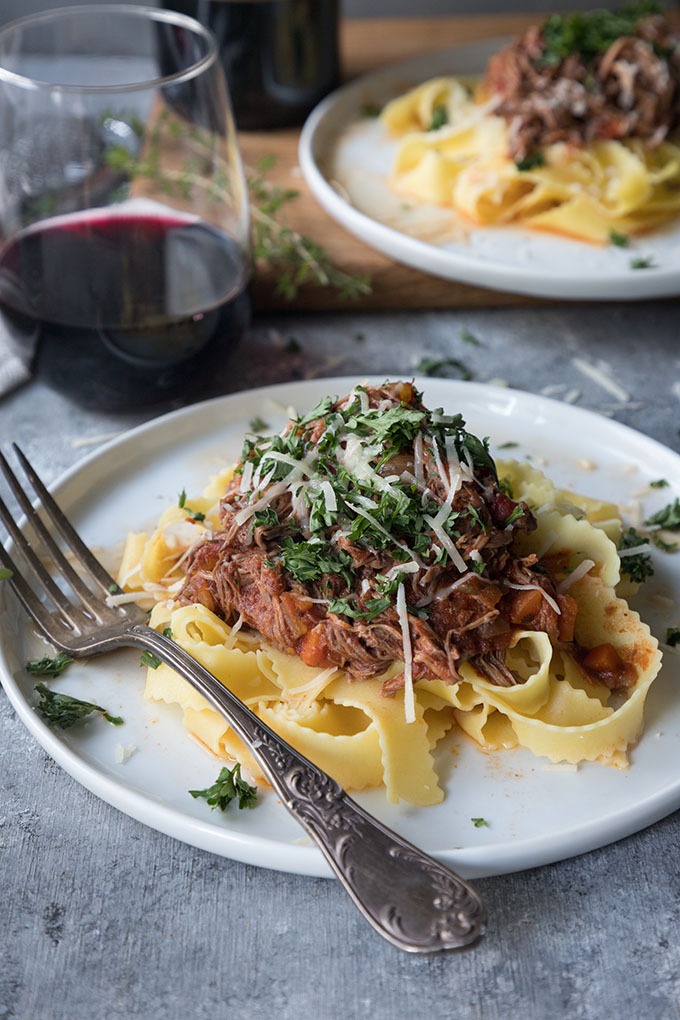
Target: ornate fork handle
413, 901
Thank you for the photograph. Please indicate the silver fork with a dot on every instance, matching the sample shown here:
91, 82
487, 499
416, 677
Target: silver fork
412, 900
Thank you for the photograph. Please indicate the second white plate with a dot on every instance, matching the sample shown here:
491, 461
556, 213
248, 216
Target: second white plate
346, 157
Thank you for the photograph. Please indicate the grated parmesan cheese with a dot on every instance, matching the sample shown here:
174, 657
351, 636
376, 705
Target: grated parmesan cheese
409, 697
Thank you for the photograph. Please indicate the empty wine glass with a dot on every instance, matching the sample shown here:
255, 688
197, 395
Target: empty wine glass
124, 217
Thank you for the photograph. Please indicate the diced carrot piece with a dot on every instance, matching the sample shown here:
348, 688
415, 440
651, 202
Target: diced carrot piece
525, 606
602, 660
313, 648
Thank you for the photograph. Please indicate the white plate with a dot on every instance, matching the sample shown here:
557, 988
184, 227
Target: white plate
346, 158
535, 815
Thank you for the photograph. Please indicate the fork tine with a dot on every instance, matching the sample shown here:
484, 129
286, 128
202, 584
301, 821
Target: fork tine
64, 526
44, 578
30, 601
87, 596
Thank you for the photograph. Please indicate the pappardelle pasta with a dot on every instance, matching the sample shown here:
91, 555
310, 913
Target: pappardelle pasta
574, 129
370, 579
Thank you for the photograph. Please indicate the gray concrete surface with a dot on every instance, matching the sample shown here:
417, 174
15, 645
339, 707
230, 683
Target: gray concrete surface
101, 917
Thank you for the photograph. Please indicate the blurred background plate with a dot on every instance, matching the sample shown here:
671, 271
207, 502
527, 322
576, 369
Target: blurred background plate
346, 155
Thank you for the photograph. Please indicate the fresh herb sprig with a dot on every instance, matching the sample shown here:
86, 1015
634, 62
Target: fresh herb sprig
63, 710
229, 786
297, 259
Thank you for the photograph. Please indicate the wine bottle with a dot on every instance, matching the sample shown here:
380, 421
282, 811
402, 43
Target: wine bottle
281, 57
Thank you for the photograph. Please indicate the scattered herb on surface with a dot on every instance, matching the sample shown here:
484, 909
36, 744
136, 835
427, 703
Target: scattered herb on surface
439, 367
509, 445
468, 338
667, 517
63, 710
618, 239
673, 637
660, 483
228, 786
371, 110
293, 346
258, 425
480, 823
48, 665
195, 515
642, 262
5, 573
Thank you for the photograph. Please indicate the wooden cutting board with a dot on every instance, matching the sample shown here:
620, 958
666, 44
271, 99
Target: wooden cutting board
366, 46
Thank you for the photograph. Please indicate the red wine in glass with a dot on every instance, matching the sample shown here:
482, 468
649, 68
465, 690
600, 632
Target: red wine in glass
130, 304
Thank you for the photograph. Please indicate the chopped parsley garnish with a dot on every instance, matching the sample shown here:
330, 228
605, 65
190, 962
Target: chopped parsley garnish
480, 823
49, 666
515, 515
63, 710
266, 518
293, 346
258, 425
348, 607
195, 515
530, 162
5, 573
228, 786
660, 483
440, 118
469, 338
590, 33
364, 485
149, 659
638, 567
642, 262
440, 368
668, 517
309, 561
673, 637
619, 240
371, 110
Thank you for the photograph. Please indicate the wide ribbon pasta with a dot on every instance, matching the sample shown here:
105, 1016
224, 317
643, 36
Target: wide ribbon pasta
359, 735
590, 193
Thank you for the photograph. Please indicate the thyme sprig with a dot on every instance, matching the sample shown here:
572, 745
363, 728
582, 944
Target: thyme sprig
298, 258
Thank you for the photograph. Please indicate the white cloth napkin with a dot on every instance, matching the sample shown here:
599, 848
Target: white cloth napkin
16, 354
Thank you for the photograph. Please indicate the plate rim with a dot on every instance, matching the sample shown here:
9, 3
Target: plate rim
272, 852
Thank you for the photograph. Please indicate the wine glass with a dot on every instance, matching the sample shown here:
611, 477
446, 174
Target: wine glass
124, 216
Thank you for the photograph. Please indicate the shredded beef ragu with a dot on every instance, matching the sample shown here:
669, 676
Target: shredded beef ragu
239, 573
632, 90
